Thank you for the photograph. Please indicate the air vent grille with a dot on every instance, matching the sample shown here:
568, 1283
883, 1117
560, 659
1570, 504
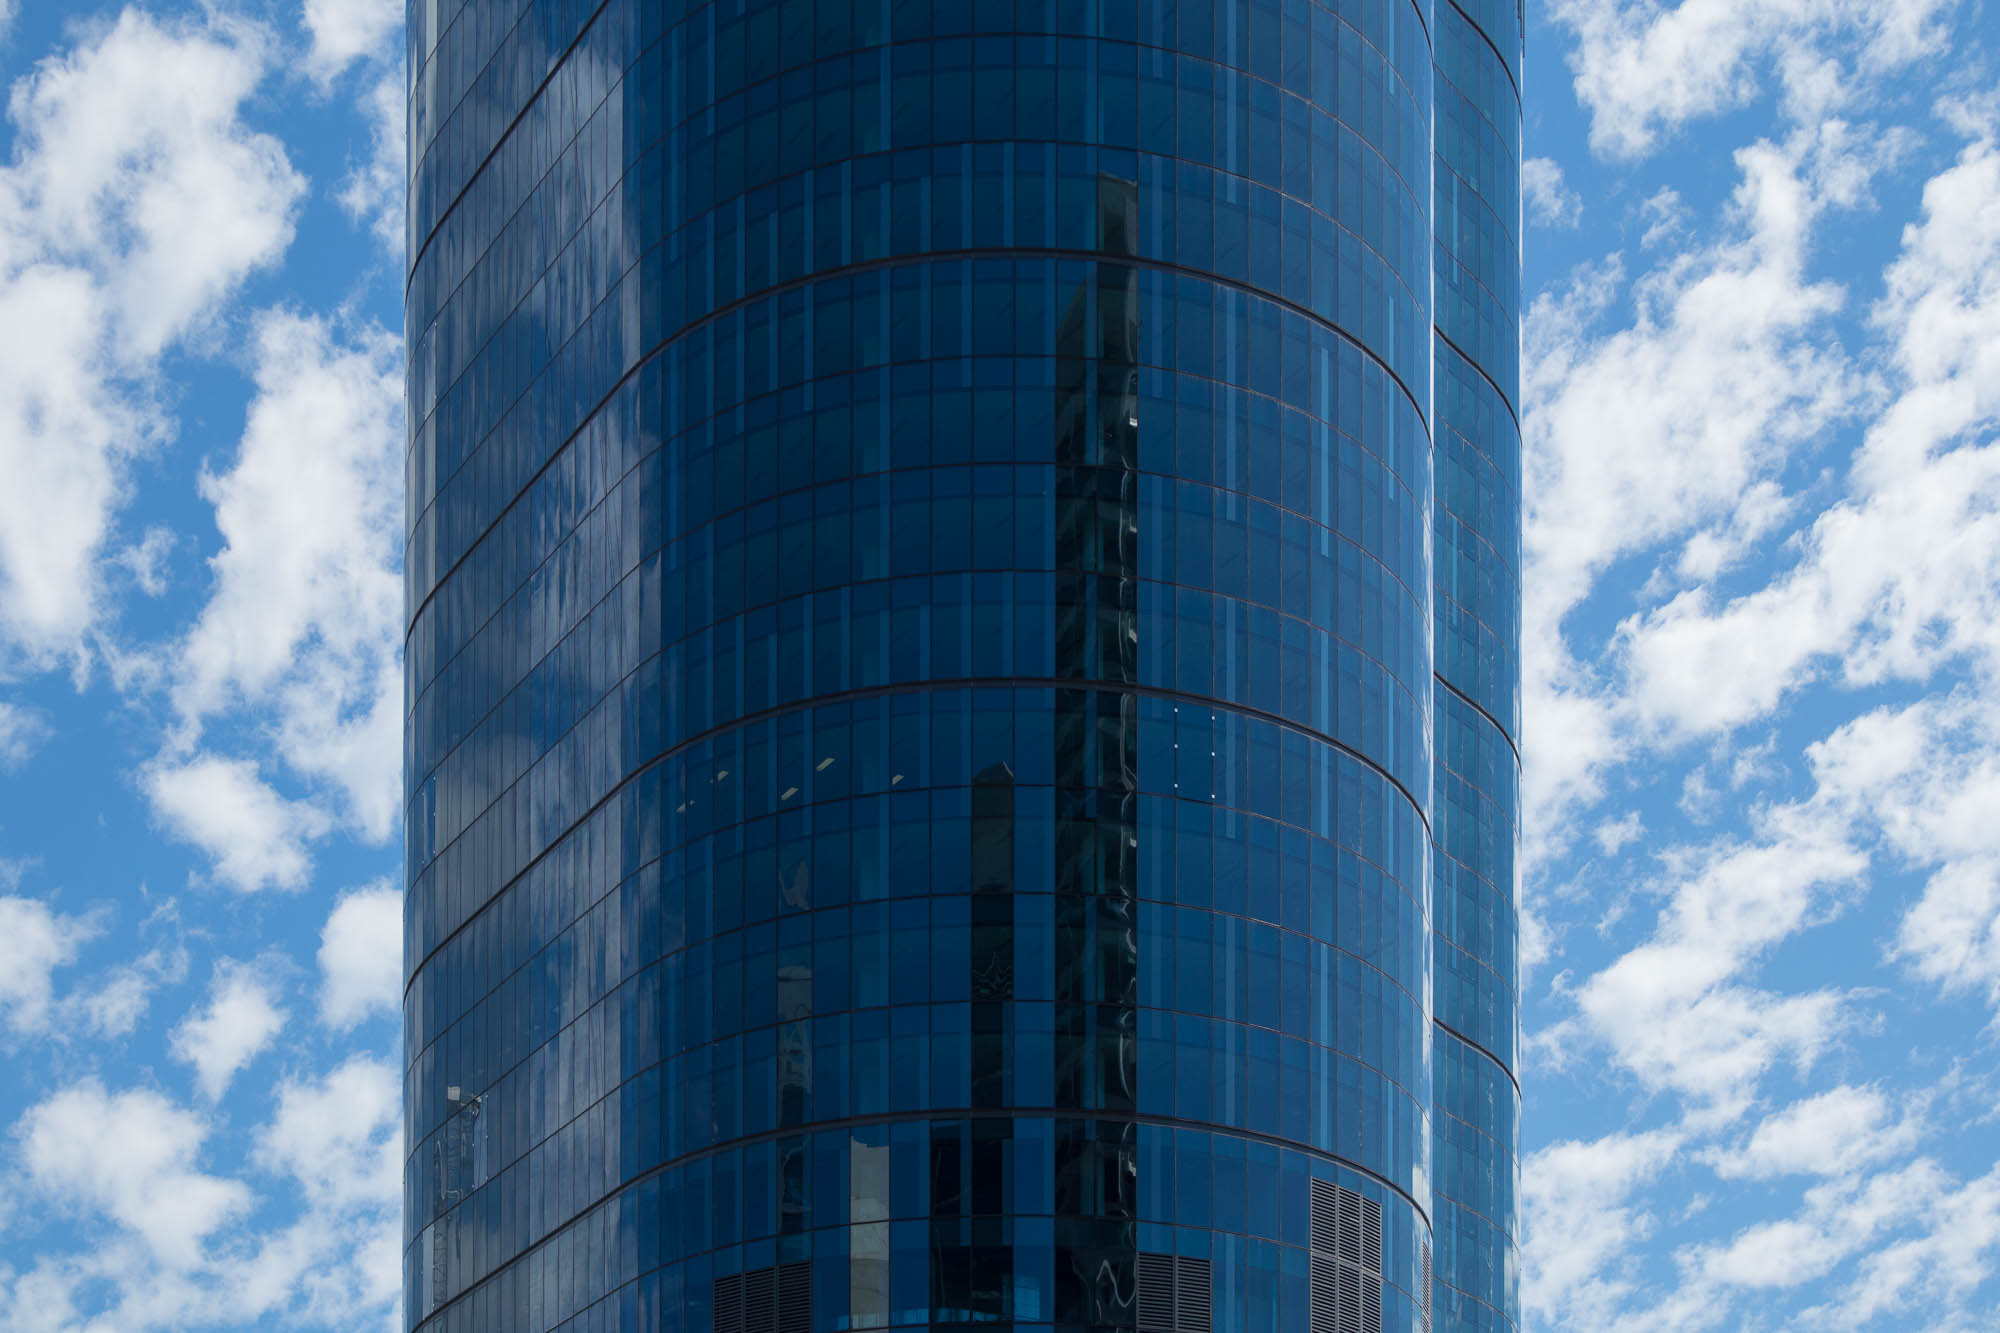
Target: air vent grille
729, 1304
760, 1301
765, 1300
1324, 1293
1345, 1266
1194, 1298
1427, 1287
1324, 1207
1156, 1293
1176, 1294
795, 1310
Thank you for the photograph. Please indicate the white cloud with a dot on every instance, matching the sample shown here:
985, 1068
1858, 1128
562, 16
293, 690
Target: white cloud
22, 731
144, 560
339, 1136
1840, 1218
133, 1157
1726, 375
344, 31
34, 942
1721, 374
1614, 834
307, 603
256, 838
1675, 1010
136, 201
195, 1252
1951, 936
1665, 216
239, 1022
1580, 1219
361, 957
373, 190
1550, 202
1835, 1133
1644, 68
1952, 1257
1902, 576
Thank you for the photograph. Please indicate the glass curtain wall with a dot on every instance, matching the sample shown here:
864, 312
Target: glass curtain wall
921, 665
1477, 605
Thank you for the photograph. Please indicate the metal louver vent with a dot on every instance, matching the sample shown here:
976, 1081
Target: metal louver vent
1323, 1210
1345, 1265
1350, 1228
1156, 1293
1324, 1293
765, 1300
729, 1304
1347, 1314
1427, 1287
795, 1298
760, 1300
1194, 1297
1176, 1295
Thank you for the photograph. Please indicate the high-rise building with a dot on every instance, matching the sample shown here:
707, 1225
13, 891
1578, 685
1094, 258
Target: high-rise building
1476, 702
962, 630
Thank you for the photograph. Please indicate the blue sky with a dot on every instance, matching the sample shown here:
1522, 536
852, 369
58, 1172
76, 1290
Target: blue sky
1763, 628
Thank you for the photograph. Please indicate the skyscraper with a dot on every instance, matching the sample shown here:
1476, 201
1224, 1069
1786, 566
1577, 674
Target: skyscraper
961, 665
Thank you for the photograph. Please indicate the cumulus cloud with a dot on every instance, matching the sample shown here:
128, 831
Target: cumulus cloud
1839, 1220
373, 190
1581, 1217
146, 558
361, 957
1951, 936
1644, 68
35, 941
1898, 785
1550, 202
237, 1024
22, 731
1949, 1258
132, 1157
113, 1004
338, 1138
1834, 1133
185, 1247
256, 838
305, 611
137, 200
1727, 350
1900, 577
344, 31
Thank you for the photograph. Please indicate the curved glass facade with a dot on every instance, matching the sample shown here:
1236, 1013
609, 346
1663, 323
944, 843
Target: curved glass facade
931, 555
1476, 606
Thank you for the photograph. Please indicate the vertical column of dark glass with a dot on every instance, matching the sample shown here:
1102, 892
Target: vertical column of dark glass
1096, 753
1477, 617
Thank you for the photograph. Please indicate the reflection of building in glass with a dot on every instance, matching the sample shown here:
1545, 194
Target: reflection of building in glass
962, 633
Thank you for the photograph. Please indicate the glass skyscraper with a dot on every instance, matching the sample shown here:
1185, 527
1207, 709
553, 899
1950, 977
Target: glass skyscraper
962, 681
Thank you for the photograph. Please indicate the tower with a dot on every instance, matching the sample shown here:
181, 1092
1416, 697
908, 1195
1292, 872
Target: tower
922, 690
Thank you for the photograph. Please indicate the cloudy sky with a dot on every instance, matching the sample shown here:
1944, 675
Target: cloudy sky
1763, 637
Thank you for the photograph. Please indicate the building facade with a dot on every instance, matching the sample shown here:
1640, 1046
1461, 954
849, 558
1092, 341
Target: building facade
961, 678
